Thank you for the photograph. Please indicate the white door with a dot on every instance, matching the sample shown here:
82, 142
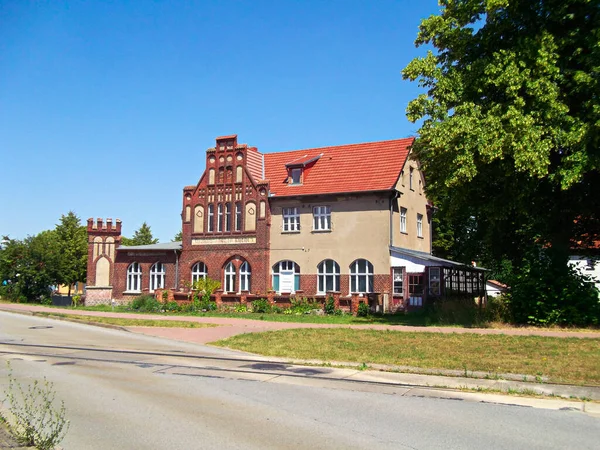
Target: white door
286, 281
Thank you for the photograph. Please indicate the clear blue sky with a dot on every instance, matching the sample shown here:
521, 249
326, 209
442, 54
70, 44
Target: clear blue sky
107, 108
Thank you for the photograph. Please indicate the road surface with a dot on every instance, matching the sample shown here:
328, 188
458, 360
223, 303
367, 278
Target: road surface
129, 391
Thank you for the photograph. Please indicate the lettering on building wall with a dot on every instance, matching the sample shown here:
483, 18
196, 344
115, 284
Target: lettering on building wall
225, 241
146, 253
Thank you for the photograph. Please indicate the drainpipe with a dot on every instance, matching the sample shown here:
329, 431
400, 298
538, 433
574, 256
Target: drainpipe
176, 269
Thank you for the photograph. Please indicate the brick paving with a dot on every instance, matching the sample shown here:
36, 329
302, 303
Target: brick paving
227, 327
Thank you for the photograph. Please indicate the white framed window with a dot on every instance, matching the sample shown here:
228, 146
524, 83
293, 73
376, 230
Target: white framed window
209, 219
157, 276
328, 276
420, 225
398, 280
403, 220
322, 218
291, 219
245, 275
219, 218
410, 179
238, 216
229, 278
199, 270
296, 176
227, 217
285, 277
361, 276
134, 277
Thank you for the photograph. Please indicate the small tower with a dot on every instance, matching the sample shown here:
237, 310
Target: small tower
103, 238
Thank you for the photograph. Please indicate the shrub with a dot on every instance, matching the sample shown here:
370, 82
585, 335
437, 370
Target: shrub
172, 306
261, 306
301, 305
46, 301
76, 300
363, 310
145, 303
329, 307
36, 420
241, 308
497, 309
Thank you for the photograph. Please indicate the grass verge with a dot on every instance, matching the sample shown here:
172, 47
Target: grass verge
132, 322
562, 360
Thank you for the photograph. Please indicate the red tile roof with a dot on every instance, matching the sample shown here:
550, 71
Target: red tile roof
372, 166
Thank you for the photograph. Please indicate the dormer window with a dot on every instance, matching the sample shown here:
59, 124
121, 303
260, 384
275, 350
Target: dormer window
296, 176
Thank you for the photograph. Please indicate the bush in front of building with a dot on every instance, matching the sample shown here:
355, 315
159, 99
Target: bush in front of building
261, 305
145, 303
302, 305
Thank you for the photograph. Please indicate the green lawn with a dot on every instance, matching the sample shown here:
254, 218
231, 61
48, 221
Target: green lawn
567, 360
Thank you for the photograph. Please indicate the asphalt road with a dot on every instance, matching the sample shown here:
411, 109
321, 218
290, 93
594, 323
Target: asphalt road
128, 391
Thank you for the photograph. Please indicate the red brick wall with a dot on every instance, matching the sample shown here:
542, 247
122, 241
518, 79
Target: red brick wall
124, 258
103, 229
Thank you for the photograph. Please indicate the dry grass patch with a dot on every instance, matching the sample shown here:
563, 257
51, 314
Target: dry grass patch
136, 322
566, 360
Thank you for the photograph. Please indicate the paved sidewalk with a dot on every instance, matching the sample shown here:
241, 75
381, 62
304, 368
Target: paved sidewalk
227, 327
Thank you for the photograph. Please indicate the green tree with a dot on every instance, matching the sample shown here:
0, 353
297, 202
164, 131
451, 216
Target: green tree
72, 241
29, 267
510, 134
178, 237
142, 236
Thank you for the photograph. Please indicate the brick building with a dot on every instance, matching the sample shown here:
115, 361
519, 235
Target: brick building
349, 219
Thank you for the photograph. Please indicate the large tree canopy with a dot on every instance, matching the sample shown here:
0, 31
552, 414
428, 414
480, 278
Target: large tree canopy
510, 135
72, 241
142, 236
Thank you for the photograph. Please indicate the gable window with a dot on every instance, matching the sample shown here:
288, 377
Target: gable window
227, 217
296, 176
209, 218
420, 225
134, 277
410, 179
398, 278
229, 278
238, 216
157, 276
328, 276
403, 220
245, 276
219, 218
322, 218
361, 276
199, 271
291, 219
286, 277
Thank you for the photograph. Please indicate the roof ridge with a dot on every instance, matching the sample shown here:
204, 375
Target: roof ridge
340, 145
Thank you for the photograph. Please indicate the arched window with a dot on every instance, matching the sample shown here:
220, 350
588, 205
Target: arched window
238, 216
219, 218
209, 219
328, 276
199, 270
157, 276
361, 276
245, 276
227, 217
134, 277
229, 278
286, 277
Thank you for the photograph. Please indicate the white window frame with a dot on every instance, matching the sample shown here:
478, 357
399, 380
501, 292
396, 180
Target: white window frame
220, 218
322, 218
290, 220
157, 276
199, 270
420, 225
403, 212
398, 280
209, 218
227, 217
245, 276
361, 270
325, 274
229, 278
238, 216
134, 277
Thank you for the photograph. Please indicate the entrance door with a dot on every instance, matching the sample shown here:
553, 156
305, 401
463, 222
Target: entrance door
416, 289
286, 281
